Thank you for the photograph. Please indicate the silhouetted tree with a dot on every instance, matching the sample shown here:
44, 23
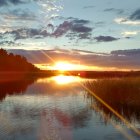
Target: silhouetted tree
11, 62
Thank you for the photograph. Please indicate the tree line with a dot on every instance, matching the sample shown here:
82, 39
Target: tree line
14, 63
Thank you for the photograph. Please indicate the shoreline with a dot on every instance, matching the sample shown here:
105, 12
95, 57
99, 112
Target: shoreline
16, 75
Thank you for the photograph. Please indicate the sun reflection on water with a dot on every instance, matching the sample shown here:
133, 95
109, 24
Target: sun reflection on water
60, 80
63, 80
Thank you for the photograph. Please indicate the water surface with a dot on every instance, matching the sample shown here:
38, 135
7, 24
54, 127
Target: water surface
60, 108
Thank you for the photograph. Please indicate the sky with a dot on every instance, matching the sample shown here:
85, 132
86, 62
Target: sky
98, 29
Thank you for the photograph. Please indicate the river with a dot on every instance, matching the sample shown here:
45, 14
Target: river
59, 108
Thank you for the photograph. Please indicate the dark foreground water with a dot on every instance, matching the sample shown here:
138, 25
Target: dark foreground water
59, 108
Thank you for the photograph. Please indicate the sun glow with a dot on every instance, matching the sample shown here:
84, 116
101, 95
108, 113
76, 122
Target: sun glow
64, 66
67, 66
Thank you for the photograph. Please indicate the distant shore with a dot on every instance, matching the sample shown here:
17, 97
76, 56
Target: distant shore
16, 67
90, 74
6, 75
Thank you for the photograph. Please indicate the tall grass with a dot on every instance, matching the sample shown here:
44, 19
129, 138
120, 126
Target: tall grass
122, 94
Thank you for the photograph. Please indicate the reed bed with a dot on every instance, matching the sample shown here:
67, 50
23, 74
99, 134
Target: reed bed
122, 94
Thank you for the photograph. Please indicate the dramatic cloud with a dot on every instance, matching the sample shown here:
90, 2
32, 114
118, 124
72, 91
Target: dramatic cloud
105, 38
62, 29
73, 28
124, 59
40, 24
27, 33
135, 15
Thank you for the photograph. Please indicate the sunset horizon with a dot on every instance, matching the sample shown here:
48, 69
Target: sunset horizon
81, 59
99, 34
69, 69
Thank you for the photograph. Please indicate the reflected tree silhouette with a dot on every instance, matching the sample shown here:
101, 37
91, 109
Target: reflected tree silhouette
14, 70
14, 87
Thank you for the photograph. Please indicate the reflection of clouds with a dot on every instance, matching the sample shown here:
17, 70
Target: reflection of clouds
48, 110
42, 114
53, 125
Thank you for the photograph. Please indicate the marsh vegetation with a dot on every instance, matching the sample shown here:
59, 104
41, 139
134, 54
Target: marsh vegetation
121, 94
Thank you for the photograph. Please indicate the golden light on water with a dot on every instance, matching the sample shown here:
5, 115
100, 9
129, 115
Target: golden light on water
63, 80
60, 80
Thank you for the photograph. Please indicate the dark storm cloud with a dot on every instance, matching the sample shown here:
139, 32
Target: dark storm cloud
105, 38
135, 15
116, 59
14, 2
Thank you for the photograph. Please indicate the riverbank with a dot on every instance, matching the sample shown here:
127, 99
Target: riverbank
6, 76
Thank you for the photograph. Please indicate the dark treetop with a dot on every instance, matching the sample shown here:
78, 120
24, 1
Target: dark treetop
14, 63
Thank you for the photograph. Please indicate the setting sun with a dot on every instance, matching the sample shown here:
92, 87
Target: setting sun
64, 66
68, 66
